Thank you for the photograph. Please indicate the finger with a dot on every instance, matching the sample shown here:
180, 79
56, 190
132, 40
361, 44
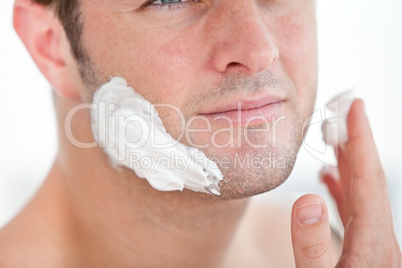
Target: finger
336, 191
345, 179
369, 235
369, 196
344, 171
330, 176
311, 234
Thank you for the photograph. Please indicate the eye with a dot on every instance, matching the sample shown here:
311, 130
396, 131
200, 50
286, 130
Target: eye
166, 2
169, 3
160, 2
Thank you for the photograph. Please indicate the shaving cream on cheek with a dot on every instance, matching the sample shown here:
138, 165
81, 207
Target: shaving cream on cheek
131, 133
337, 134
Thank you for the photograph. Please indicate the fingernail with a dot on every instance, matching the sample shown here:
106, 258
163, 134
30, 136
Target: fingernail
309, 213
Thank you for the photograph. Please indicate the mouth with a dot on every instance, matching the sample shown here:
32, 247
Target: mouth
246, 112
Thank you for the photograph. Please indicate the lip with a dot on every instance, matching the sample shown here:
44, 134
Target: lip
245, 104
246, 112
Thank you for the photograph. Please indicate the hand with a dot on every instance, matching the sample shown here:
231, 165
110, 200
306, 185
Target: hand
363, 204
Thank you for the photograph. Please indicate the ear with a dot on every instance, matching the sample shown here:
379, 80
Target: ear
44, 37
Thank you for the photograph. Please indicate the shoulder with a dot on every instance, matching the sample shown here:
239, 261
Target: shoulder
30, 241
21, 244
40, 235
13, 248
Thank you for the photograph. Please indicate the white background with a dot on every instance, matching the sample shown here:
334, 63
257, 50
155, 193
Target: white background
360, 45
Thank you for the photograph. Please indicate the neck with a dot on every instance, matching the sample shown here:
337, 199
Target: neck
122, 221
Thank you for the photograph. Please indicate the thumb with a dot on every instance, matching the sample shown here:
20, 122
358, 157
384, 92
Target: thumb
311, 234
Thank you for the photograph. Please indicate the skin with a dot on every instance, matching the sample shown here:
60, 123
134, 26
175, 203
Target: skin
158, 51
88, 214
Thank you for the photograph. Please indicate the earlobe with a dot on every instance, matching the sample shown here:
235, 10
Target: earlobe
42, 35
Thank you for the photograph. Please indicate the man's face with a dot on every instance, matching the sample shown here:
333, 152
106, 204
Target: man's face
202, 55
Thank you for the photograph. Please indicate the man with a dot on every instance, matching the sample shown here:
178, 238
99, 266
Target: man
199, 56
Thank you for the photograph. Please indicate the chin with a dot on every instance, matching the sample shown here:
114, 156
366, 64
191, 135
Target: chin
248, 171
251, 172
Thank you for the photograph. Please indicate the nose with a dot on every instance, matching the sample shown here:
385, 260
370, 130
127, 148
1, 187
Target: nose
242, 40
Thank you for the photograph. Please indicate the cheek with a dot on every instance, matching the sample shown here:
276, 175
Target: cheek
296, 35
297, 43
170, 67
164, 72
168, 74
159, 63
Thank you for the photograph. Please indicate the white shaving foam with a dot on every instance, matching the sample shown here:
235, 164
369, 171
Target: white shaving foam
337, 134
130, 131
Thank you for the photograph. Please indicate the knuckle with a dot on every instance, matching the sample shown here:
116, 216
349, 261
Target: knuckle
315, 250
353, 261
389, 257
395, 257
381, 177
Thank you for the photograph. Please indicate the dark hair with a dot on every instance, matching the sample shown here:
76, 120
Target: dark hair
68, 12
